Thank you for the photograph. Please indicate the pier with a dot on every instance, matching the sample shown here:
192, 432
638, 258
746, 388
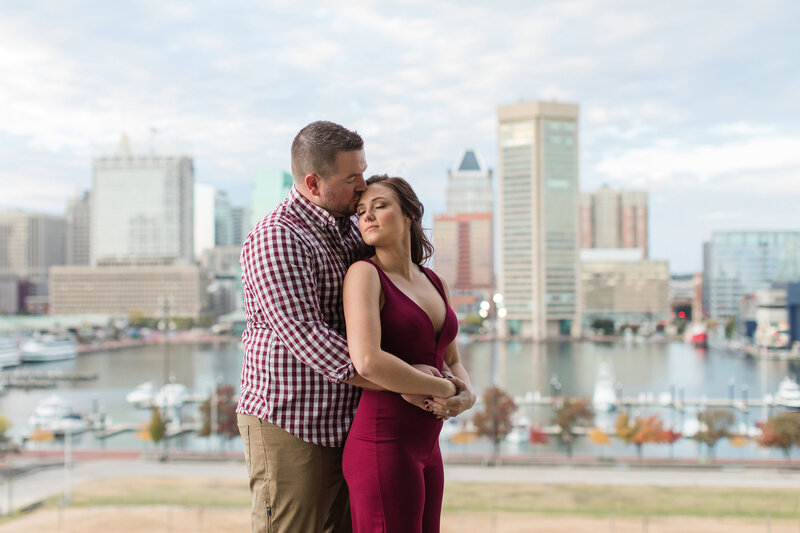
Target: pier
173, 430
743, 404
27, 379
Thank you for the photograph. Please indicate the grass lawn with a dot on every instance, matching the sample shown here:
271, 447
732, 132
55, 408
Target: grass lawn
570, 500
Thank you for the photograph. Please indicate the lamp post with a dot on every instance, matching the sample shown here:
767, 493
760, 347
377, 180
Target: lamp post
492, 311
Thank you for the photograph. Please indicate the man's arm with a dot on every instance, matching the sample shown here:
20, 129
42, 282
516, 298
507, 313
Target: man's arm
280, 269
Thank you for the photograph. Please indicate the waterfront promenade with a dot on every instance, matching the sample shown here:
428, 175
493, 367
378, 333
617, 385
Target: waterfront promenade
43, 483
126, 492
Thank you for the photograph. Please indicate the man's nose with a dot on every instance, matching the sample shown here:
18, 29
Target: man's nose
361, 186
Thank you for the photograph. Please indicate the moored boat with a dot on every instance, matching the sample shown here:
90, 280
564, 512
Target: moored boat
55, 416
604, 397
48, 348
9, 352
142, 395
788, 393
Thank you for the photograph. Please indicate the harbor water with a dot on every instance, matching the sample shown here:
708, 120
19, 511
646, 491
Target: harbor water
524, 369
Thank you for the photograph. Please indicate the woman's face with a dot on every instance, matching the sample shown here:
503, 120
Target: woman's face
380, 217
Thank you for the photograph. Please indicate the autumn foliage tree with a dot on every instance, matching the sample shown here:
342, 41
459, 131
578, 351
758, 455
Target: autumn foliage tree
225, 403
641, 431
573, 411
6, 444
781, 431
714, 424
158, 426
494, 421
671, 437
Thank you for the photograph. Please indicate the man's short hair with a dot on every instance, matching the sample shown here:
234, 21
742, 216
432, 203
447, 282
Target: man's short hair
315, 147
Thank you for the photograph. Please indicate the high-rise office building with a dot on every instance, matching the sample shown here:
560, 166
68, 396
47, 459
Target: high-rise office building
269, 189
633, 220
740, 263
142, 206
614, 219
30, 243
538, 218
462, 236
79, 230
204, 223
240, 227
469, 185
223, 219
585, 220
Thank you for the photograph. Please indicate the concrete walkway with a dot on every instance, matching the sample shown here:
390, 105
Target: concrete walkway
28, 489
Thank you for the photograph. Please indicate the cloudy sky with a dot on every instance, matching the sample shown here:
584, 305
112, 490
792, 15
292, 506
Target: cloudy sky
697, 102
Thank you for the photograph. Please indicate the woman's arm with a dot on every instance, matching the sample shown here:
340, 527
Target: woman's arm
465, 397
362, 292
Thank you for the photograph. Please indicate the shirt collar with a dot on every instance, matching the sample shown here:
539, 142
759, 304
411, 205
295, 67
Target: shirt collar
317, 215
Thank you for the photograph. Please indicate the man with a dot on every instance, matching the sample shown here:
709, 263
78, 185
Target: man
298, 397
299, 387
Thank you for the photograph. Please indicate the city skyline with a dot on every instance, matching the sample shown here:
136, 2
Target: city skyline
701, 117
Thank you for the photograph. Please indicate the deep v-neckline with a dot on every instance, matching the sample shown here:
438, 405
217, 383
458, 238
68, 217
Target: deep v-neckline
436, 334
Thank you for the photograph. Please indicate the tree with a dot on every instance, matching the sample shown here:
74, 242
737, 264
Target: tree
226, 423
714, 424
495, 419
781, 431
604, 324
158, 426
640, 431
6, 444
671, 437
158, 430
730, 328
570, 414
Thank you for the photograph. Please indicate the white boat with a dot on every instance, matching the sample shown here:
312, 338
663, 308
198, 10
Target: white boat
520, 430
143, 394
54, 415
604, 397
788, 393
171, 395
48, 348
9, 352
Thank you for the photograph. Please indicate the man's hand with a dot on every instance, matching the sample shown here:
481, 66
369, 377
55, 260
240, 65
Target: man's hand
455, 405
426, 403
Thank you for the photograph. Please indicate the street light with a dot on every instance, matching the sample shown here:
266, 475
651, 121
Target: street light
492, 310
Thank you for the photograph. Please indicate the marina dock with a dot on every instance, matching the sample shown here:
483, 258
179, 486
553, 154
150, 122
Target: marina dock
27, 379
680, 404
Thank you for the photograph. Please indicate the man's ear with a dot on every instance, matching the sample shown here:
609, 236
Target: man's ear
312, 183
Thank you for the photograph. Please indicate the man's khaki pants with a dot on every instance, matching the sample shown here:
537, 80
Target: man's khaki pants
297, 487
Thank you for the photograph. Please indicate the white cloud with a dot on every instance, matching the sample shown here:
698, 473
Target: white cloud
740, 163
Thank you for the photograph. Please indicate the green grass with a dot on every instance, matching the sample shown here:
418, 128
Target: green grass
525, 498
598, 500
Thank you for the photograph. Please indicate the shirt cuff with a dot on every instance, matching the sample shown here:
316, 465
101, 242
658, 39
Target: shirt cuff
346, 374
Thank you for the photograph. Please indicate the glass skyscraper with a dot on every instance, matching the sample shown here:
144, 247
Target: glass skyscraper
538, 217
739, 263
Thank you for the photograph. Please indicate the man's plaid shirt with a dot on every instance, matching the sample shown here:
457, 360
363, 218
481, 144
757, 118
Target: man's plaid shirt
295, 353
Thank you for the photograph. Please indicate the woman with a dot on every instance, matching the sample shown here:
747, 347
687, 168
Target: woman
398, 315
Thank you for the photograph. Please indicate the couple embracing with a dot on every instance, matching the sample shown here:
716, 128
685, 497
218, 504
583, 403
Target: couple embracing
350, 361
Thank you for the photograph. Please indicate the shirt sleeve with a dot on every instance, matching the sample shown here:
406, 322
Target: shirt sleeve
280, 269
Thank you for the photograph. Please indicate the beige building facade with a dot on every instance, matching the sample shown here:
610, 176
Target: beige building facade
614, 219
538, 231
120, 289
622, 286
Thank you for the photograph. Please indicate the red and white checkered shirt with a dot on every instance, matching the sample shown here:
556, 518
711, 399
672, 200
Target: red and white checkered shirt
295, 353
